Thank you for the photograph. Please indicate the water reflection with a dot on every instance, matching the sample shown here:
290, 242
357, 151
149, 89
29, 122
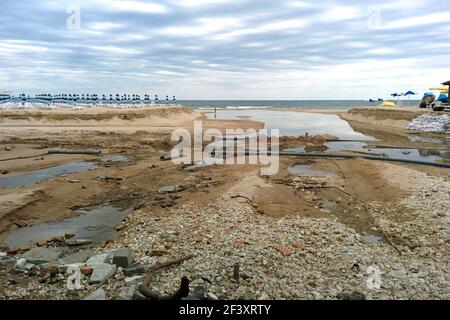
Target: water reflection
297, 123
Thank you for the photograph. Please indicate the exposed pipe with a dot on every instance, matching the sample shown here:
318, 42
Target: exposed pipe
351, 156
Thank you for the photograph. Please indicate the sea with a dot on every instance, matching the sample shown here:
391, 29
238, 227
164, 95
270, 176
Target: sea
302, 104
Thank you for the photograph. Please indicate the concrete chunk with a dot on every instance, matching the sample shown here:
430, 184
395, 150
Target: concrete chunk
122, 257
42, 255
102, 272
98, 294
98, 259
135, 269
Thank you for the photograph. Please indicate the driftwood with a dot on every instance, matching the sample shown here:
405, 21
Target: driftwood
182, 292
94, 152
24, 157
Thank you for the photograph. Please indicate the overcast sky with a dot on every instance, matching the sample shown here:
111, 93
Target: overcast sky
225, 49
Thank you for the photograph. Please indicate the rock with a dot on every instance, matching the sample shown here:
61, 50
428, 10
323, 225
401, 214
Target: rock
41, 243
137, 295
211, 296
98, 294
74, 180
199, 292
196, 167
170, 189
353, 295
78, 242
6, 261
23, 265
69, 235
8, 148
86, 270
42, 255
20, 223
122, 257
20, 263
126, 292
98, 259
133, 280
102, 272
4, 171
120, 226
135, 269
111, 178
78, 257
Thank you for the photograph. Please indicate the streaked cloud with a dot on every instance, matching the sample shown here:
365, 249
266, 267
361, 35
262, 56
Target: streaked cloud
225, 49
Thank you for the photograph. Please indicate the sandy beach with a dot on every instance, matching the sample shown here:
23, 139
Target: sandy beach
295, 235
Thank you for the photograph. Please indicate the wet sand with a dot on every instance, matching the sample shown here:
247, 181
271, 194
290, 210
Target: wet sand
144, 140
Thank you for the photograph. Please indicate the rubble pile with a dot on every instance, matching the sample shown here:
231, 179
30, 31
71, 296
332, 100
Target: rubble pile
429, 123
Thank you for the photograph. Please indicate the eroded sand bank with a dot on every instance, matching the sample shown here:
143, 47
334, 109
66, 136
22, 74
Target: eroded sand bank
296, 236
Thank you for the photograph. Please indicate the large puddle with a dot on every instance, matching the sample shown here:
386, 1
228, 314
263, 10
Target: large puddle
307, 171
39, 175
296, 123
400, 153
96, 225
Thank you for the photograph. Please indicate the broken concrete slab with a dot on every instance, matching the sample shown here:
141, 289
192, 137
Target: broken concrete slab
78, 257
40, 255
122, 257
98, 294
102, 272
98, 259
135, 269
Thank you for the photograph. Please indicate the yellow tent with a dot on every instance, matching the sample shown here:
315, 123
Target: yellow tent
387, 104
442, 89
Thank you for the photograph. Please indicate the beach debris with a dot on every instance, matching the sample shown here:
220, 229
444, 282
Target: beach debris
183, 290
98, 259
20, 223
86, 270
102, 272
429, 123
352, 295
78, 242
120, 226
197, 166
8, 148
69, 235
98, 294
135, 269
171, 189
122, 257
111, 178
236, 272
67, 151
40, 255
211, 296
